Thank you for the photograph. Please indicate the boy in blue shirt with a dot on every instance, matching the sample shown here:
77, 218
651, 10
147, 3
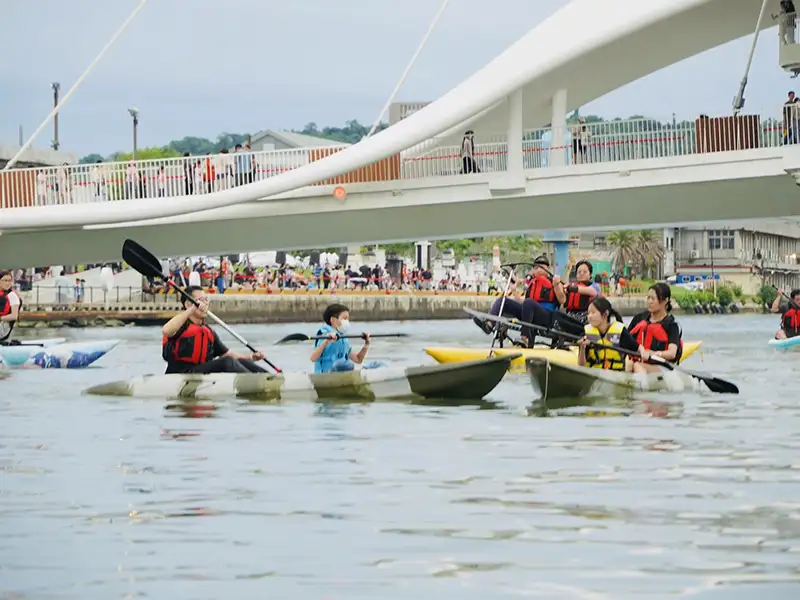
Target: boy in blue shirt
335, 353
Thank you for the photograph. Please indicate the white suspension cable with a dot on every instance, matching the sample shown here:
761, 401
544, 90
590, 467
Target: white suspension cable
75, 86
738, 101
402, 79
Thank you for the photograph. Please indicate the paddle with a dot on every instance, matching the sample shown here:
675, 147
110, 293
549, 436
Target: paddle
714, 384
16, 344
301, 337
141, 260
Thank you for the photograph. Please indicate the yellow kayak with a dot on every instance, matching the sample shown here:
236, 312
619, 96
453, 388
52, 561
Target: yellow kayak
564, 357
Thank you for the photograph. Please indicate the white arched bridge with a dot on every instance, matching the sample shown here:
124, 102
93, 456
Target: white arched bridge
410, 182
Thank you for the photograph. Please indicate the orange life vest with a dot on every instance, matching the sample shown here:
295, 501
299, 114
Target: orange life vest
5, 304
540, 289
193, 345
653, 336
577, 301
790, 322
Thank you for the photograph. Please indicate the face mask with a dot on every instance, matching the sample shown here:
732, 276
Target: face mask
344, 325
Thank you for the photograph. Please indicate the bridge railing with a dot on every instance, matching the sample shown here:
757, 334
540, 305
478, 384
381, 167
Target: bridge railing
582, 143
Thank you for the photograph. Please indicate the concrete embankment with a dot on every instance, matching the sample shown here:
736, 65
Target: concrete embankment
284, 308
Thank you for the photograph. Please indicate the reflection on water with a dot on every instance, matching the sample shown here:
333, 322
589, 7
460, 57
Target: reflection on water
111, 498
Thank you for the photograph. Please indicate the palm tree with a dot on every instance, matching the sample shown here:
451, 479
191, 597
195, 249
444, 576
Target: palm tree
650, 249
624, 249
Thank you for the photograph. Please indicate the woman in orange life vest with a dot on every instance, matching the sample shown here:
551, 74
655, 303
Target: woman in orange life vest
656, 330
790, 315
576, 297
10, 304
191, 346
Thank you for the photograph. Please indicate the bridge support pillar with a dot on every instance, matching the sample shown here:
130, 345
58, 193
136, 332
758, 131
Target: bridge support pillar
559, 139
515, 161
423, 254
560, 241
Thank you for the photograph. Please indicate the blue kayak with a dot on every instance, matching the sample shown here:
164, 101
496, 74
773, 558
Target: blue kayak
785, 344
75, 355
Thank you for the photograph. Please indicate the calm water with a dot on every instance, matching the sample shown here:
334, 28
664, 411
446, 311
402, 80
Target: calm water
112, 499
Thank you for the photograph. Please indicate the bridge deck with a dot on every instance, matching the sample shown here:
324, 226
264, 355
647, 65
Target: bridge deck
598, 142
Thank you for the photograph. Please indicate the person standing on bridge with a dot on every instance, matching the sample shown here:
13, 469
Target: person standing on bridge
468, 164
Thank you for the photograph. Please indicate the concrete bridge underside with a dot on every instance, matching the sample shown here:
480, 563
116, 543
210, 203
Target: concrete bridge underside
477, 212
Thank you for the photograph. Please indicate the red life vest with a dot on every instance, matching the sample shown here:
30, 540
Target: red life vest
193, 345
653, 336
541, 289
790, 322
577, 301
5, 304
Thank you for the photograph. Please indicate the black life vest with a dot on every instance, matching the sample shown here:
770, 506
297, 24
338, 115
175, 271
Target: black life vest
540, 289
790, 322
194, 345
653, 336
577, 302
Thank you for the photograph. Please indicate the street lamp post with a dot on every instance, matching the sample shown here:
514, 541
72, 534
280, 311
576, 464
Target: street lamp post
134, 113
56, 90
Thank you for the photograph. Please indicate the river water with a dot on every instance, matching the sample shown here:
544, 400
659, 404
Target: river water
103, 498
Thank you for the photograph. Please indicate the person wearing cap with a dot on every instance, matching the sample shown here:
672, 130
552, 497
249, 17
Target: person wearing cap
537, 306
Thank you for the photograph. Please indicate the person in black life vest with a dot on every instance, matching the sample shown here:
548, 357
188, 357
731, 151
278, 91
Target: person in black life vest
790, 315
604, 328
656, 330
10, 305
576, 297
191, 346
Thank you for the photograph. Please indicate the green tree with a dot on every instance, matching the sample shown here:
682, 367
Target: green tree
148, 154
623, 248
650, 250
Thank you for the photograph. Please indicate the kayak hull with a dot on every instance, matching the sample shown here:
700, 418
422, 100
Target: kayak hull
566, 386
566, 357
464, 381
75, 355
787, 344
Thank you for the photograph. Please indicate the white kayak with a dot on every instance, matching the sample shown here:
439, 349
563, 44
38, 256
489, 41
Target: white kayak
786, 344
470, 380
73, 355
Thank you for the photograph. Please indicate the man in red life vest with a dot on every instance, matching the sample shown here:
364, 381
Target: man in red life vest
191, 346
790, 315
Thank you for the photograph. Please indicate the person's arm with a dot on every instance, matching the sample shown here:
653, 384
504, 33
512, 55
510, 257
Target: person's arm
359, 357
673, 343
558, 288
176, 323
627, 341
320, 345
582, 343
776, 304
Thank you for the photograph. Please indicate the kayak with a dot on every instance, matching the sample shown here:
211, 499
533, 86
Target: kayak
563, 386
462, 381
73, 355
565, 357
793, 342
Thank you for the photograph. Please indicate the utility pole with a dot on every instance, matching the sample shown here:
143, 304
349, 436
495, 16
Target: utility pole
56, 89
134, 113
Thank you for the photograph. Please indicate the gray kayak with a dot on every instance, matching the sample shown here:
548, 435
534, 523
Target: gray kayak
470, 380
566, 386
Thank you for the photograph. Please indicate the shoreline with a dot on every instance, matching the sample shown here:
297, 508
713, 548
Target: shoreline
292, 308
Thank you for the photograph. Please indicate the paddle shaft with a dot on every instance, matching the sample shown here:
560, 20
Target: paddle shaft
360, 336
496, 335
220, 322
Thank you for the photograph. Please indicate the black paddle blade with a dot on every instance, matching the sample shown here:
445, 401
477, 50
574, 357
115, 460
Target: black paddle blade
141, 260
715, 384
293, 337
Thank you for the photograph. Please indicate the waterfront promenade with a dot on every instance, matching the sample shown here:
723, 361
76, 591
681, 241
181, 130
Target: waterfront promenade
293, 307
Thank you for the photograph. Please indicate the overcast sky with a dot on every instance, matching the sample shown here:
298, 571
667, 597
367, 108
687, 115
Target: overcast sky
200, 67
